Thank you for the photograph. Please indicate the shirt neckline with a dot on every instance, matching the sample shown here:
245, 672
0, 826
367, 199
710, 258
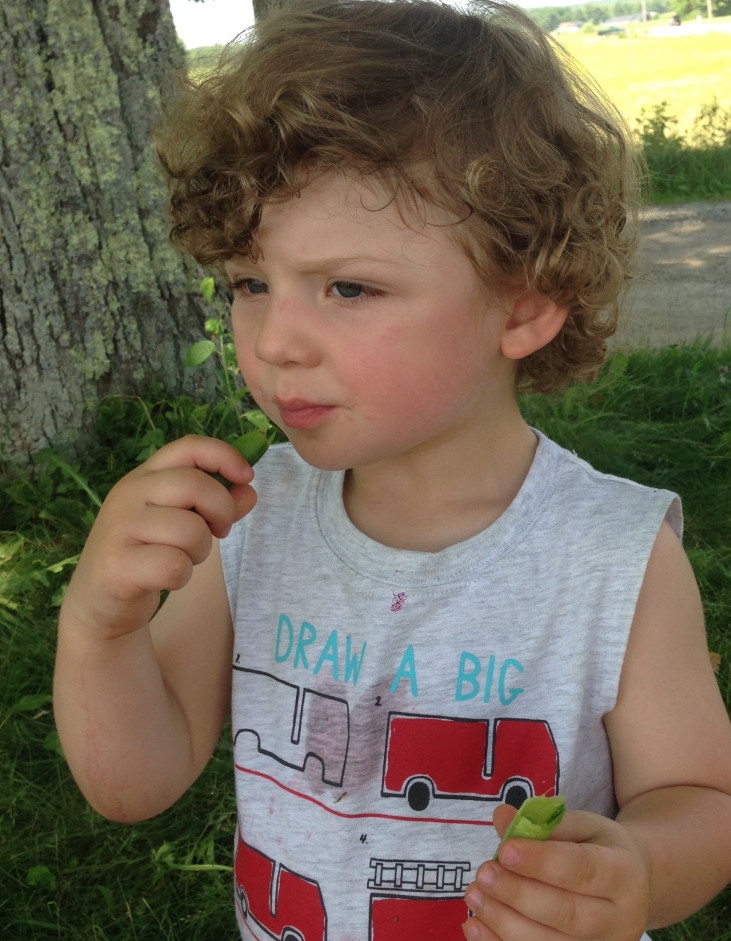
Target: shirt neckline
409, 568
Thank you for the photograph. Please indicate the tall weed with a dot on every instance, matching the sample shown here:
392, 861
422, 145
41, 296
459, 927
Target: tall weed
694, 167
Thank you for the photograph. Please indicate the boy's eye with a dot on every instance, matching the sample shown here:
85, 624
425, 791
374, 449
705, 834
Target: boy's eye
349, 289
249, 286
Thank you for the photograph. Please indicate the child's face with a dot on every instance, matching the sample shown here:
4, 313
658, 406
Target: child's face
362, 337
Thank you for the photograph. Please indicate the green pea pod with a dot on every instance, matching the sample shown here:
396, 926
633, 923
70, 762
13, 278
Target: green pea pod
251, 446
537, 818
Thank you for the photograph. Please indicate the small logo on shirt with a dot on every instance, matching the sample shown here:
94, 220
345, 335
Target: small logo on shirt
399, 600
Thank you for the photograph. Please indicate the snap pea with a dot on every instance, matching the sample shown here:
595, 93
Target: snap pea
536, 819
251, 446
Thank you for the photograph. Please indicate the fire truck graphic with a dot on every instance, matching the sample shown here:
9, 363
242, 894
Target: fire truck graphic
411, 899
442, 757
425, 919
417, 899
283, 903
319, 730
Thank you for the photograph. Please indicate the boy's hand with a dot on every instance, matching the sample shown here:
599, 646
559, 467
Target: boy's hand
156, 524
590, 880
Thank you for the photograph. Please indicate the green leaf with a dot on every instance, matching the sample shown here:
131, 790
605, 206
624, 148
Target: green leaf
53, 743
151, 441
32, 702
60, 566
214, 326
49, 457
63, 510
41, 876
108, 896
257, 418
207, 289
199, 353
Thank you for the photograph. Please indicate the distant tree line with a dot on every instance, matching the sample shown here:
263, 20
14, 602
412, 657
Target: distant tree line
690, 8
550, 17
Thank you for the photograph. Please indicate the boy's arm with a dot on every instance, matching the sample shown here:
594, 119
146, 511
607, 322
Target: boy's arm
139, 701
671, 742
667, 853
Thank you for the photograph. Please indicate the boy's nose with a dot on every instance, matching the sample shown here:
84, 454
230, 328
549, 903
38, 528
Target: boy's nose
285, 335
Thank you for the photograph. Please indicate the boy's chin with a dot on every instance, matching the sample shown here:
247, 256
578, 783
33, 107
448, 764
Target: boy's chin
321, 458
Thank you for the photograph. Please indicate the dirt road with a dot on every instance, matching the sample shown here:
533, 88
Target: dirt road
686, 291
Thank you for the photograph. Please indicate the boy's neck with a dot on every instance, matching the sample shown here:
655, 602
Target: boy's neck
414, 504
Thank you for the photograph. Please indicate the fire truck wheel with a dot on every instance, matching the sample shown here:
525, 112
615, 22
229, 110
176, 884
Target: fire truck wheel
290, 934
516, 795
418, 794
243, 900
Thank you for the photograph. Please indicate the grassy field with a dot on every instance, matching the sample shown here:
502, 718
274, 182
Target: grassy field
641, 70
661, 417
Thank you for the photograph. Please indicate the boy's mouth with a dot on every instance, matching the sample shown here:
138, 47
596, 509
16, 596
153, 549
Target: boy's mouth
301, 414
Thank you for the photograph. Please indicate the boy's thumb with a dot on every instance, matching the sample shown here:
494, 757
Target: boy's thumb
502, 816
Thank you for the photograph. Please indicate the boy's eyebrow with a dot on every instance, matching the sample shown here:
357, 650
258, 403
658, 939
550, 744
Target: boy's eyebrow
314, 265
336, 261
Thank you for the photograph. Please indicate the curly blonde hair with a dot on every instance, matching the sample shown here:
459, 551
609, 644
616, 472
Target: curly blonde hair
476, 112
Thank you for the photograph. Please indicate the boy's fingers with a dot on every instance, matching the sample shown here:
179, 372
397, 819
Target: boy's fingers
502, 816
498, 920
188, 488
578, 867
158, 568
180, 482
176, 528
566, 912
583, 856
207, 454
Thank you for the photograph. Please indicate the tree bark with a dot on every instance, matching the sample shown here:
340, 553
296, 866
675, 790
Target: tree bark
93, 299
262, 7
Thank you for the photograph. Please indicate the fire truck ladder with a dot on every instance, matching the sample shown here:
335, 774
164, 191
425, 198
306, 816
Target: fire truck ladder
418, 876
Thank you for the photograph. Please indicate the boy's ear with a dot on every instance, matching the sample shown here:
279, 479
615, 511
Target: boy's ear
532, 323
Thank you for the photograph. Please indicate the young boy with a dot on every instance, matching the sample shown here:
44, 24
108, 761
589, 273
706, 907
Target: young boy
433, 611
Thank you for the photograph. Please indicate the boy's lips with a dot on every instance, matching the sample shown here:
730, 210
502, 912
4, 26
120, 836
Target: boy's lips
301, 414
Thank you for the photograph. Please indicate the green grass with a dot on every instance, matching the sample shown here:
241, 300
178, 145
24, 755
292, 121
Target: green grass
679, 174
662, 417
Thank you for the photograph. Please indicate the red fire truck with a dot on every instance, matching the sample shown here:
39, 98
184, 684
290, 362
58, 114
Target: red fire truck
287, 906
417, 899
473, 759
425, 919
410, 899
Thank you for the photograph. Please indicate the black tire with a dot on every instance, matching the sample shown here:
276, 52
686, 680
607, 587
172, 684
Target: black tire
418, 794
516, 795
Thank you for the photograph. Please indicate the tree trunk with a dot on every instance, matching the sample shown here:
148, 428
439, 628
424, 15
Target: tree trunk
262, 7
93, 300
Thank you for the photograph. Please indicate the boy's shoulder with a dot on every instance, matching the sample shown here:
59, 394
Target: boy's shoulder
581, 490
